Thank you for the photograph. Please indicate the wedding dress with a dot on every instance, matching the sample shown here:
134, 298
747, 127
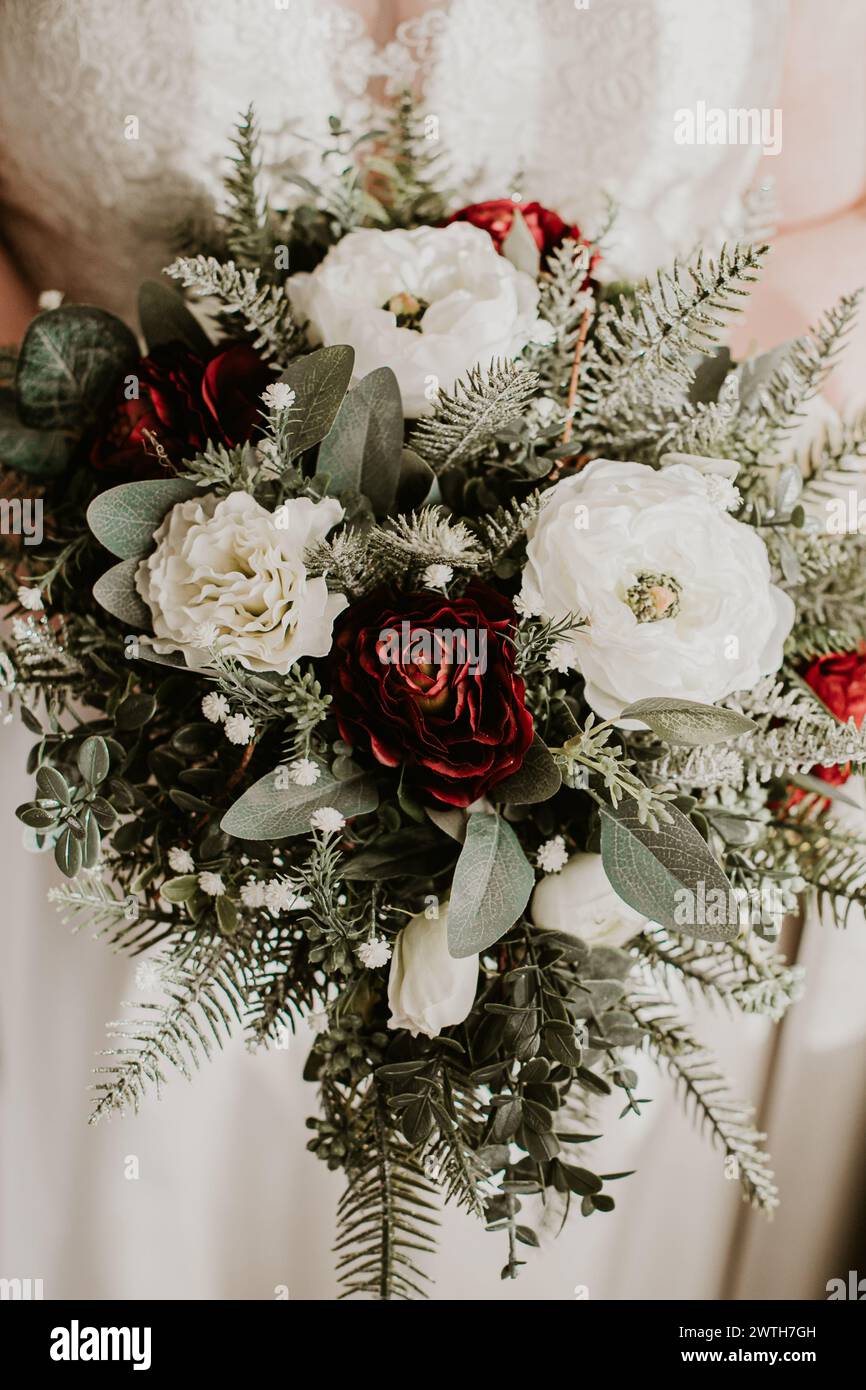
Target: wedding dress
114, 118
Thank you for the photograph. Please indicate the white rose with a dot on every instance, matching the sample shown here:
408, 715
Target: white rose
468, 305
226, 572
428, 989
580, 901
677, 594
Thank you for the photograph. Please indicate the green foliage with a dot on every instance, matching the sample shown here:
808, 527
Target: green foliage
466, 421
706, 1095
492, 883
386, 1216
246, 219
261, 310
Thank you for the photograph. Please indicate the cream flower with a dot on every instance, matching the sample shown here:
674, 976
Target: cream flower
581, 902
230, 566
677, 594
429, 303
428, 989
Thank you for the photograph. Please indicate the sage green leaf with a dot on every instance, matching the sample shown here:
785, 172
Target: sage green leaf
320, 381
687, 722
520, 246
363, 450
67, 853
274, 809
227, 915
70, 358
667, 875
39, 453
165, 317
115, 591
181, 889
93, 760
538, 779
492, 884
124, 518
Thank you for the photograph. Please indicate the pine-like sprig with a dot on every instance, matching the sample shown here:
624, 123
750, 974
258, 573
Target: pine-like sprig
264, 310
466, 421
246, 217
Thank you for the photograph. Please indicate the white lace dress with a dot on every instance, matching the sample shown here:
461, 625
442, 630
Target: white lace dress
540, 97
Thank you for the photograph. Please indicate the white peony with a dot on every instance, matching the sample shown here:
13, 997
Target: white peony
428, 989
457, 300
581, 902
229, 567
677, 594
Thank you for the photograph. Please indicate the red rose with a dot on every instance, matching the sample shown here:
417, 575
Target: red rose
429, 683
183, 401
497, 216
839, 681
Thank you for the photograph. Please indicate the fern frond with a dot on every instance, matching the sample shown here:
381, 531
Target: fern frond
384, 1216
466, 421
802, 371
706, 1095
204, 1000
678, 313
746, 973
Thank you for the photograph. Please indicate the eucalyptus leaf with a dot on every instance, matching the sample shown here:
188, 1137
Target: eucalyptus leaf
362, 453
689, 723
166, 318
492, 883
271, 810
40, 453
70, 359
667, 875
115, 591
537, 780
320, 381
124, 518
415, 482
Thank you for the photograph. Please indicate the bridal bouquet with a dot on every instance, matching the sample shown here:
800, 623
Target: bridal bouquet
434, 641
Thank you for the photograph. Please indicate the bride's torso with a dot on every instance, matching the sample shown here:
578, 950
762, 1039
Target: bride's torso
115, 114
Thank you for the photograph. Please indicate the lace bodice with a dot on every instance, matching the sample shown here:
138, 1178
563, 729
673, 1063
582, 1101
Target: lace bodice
537, 97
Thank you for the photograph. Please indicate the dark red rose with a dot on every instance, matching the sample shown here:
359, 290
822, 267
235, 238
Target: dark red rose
497, 216
183, 401
429, 683
839, 681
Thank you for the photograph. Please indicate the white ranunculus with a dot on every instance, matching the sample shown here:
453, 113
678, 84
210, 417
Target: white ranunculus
428, 989
580, 901
470, 305
677, 593
227, 573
